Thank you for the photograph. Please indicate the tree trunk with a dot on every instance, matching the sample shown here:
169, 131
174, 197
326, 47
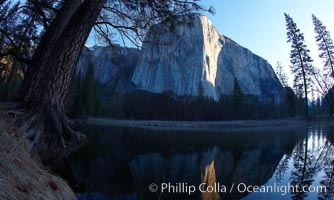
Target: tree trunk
304, 82
48, 80
44, 49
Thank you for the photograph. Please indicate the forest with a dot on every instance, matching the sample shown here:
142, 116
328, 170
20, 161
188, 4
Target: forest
86, 99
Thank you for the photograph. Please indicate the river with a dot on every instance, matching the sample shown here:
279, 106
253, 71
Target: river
127, 163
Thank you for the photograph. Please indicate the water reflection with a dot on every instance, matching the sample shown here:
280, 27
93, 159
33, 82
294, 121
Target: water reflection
121, 163
309, 168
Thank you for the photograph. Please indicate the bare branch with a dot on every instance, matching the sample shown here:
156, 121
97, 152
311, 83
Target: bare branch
131, 20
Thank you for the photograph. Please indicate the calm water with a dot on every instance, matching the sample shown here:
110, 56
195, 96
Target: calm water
121, 163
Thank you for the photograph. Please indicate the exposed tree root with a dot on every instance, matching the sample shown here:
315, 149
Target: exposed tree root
47, 127
15, 106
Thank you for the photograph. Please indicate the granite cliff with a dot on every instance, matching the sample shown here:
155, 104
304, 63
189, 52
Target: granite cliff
192, 55
113, 66
196, 55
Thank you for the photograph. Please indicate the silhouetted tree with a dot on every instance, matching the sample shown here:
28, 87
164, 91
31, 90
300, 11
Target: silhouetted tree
89, 93
281, 74
325, 45
74, 103
299, 58
83, 97
324, 85
291, 101
200, 90
237, 98
326, 48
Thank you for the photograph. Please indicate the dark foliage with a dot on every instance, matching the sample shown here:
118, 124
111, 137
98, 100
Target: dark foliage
291, 102
325, 45
281, 75
300, 59
145, 105
237, 98
83, 98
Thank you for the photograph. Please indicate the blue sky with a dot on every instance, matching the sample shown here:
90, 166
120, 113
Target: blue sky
259, 25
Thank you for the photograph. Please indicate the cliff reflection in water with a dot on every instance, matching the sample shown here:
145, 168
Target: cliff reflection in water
121, 163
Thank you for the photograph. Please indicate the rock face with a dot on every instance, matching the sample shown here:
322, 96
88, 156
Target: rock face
196, 55
113, 66
192, 56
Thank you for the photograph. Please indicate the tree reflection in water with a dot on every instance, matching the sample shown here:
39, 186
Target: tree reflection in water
328, 167
310, 164
120, 163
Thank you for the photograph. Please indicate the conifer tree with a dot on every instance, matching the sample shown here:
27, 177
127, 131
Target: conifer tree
325, 45
281, 74
200, 90
300, 59
74, 102
89, 92
237, 98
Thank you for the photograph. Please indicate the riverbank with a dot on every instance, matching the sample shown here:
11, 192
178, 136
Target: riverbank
22, 177
219, 125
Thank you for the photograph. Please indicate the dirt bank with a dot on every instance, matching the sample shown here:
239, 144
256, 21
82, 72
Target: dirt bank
22, 178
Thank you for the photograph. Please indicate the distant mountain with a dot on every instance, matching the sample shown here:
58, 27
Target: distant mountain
181, 60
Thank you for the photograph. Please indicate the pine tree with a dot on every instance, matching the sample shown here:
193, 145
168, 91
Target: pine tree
89, 92
281, 74
325, 45
291, 101
74, 103
200, 90
300, 59
237, 98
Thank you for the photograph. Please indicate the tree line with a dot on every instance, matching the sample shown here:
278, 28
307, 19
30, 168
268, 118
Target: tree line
84, 101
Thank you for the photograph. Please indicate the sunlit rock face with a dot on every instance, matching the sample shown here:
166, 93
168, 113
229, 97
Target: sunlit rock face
113, 66
193, 55
196, 55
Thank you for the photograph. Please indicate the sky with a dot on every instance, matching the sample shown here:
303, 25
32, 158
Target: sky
259, 25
